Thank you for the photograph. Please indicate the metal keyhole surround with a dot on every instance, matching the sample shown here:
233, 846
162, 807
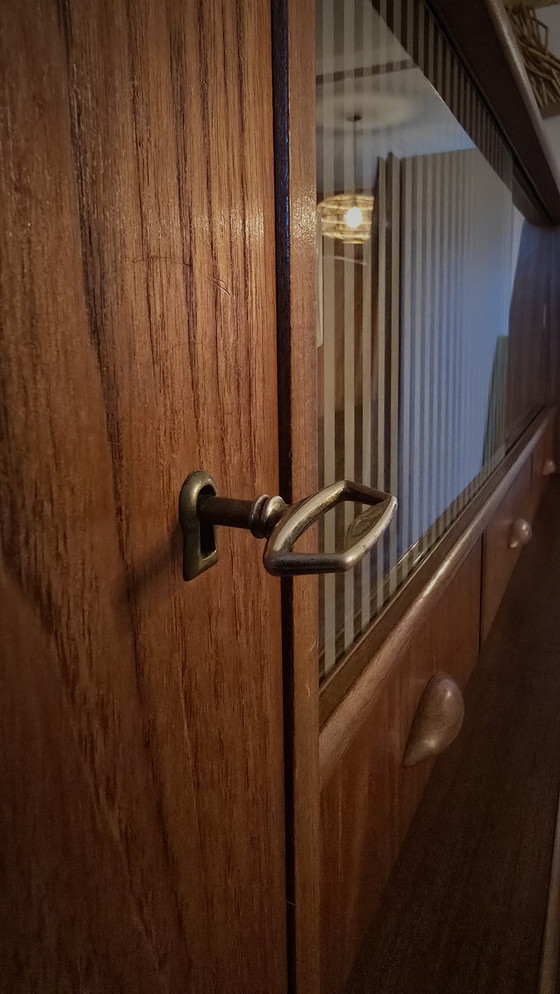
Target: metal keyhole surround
201, 510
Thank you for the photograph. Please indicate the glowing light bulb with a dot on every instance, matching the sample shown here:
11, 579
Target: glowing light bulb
353, 217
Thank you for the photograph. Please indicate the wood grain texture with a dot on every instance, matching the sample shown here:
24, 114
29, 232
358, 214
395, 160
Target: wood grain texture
499, 557
464, 910
374, 656
141, 722
296, 240
520, 533
369, 801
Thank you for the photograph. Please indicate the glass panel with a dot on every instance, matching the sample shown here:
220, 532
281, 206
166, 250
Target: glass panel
417, 247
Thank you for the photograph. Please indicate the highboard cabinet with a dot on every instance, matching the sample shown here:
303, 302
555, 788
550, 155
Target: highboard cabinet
279, 371
435, 309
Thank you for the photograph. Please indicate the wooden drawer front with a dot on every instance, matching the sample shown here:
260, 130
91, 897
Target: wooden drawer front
498, 559
368, 802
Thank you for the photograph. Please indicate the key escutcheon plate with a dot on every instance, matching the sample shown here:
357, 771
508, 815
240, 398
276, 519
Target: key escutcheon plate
202, 510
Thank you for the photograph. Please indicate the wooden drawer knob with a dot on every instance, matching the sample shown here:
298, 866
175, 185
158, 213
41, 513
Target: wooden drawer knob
549, 467
520, 533
437, 721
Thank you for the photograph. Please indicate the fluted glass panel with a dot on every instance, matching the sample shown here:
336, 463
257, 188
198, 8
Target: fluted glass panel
417, 241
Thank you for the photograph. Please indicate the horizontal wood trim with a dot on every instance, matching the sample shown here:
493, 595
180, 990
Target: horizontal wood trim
482, 35
362, 675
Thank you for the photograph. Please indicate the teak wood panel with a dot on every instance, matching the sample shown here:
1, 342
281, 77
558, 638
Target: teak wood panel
464, 910
498, 560
369, 801
141, 721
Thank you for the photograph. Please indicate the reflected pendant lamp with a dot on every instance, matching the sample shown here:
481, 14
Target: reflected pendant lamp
348, 216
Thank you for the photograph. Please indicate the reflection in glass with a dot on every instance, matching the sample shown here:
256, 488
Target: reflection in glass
417, 246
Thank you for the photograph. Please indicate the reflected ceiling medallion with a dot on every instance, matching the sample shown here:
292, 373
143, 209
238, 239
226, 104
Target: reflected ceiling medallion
347, 217
373, 111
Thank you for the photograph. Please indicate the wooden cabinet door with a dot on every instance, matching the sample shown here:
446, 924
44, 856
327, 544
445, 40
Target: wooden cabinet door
141, 740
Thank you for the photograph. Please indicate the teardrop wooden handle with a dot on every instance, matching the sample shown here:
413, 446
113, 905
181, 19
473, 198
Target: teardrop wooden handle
520, 533
437, 721
549, 467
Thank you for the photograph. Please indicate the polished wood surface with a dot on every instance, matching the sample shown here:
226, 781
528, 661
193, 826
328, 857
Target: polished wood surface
296, 241
370, 798
141, 722
502, 545
371, 661
437, 721
465, 908
481, 32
